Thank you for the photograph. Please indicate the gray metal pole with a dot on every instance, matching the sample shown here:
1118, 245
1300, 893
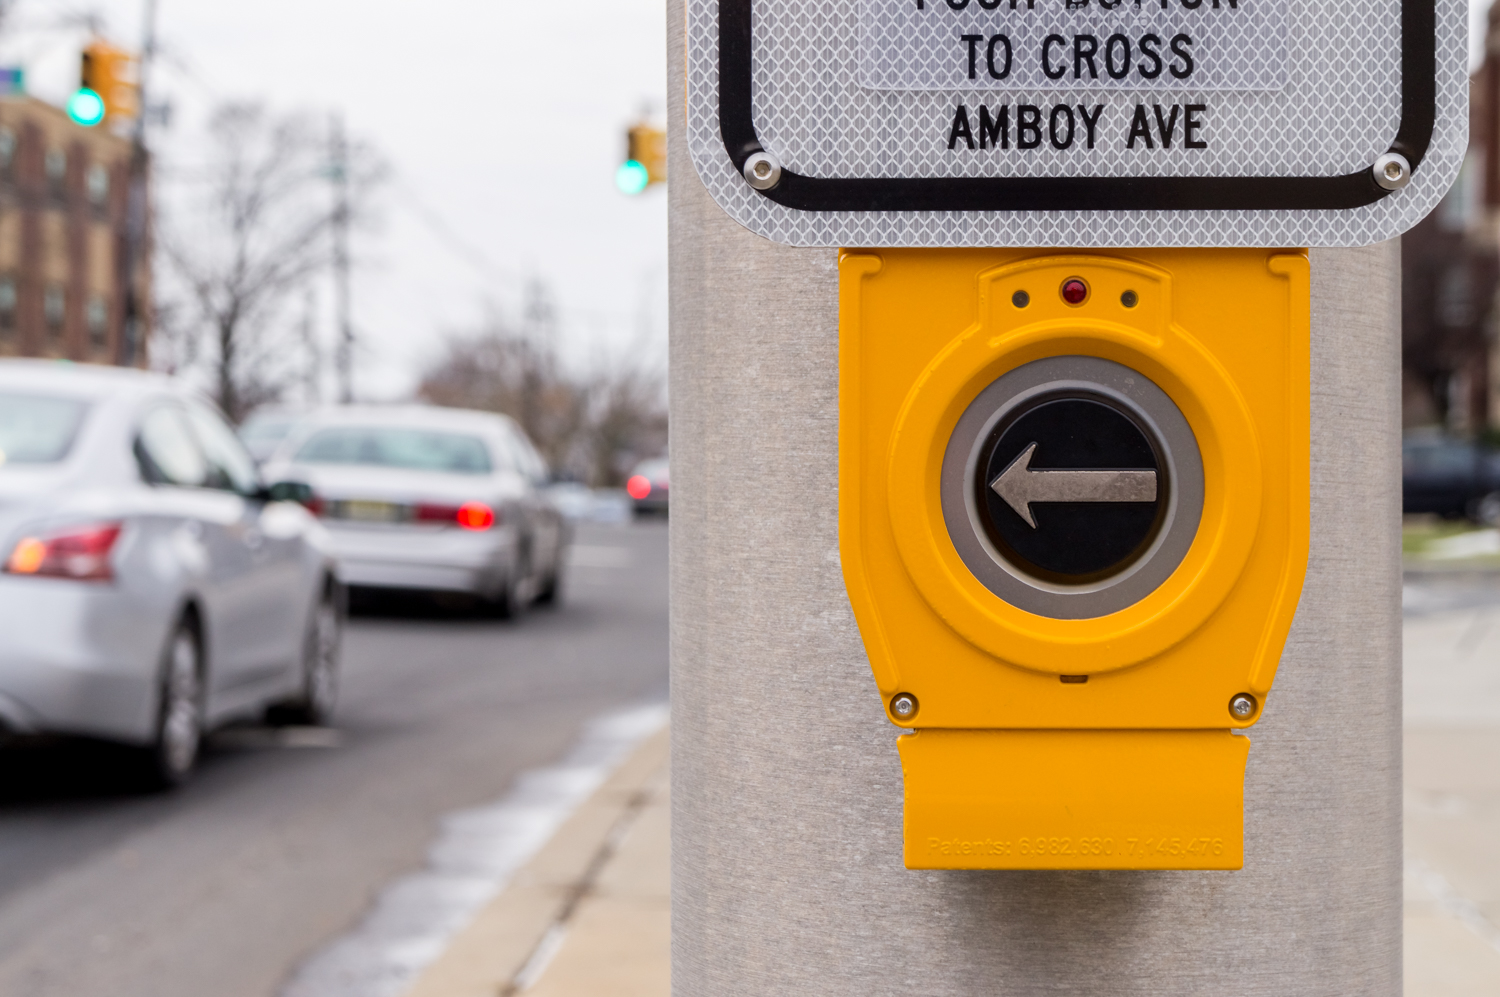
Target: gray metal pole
787, 794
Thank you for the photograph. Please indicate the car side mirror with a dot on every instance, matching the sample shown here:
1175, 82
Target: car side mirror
287, 491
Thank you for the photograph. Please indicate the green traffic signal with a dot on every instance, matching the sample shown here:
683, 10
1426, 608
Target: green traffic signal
86, 107
632, 177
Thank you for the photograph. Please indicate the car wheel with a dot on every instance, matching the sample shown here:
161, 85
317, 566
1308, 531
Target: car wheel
551, 591
510, 602
1487, 510
179, 723
320, 665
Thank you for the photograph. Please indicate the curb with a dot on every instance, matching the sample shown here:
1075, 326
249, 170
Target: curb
589, 913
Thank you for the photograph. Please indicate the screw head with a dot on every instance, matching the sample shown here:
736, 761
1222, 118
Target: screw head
1075, 291
1391, 171
903, 706
1242, 706
1020, 299
1130, 299
762, 171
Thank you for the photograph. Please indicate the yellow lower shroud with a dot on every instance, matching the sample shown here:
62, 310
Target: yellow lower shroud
1074, 799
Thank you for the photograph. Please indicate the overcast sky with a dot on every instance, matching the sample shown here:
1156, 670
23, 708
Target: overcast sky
504, 122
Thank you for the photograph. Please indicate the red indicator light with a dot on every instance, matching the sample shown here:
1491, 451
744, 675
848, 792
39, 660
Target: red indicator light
1074, 291
475, 516
82, 554
638, 487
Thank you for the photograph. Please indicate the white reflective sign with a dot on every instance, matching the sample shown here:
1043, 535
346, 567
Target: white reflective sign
1076, 122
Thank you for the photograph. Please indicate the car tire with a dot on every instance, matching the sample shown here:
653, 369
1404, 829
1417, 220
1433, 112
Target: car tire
1486, 510
173, 752
510, 602
551, 591
314, 703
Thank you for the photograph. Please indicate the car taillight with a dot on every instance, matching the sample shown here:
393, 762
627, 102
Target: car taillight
81, 554
470, 515
638, 487
476, 516
315, 505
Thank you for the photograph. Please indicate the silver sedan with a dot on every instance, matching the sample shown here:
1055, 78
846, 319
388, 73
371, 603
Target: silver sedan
152, 587
418, 497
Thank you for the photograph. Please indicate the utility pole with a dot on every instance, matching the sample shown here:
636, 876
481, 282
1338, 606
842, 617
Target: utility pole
338, 170
137, 206
314, 376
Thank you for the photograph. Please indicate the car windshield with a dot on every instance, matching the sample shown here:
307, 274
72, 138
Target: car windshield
408, 449
656, 469
1438, 458
38, 429
267, 430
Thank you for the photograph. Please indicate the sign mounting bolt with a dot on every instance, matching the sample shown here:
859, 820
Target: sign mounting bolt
1242, 706
904, 705
762, 171
1392, 171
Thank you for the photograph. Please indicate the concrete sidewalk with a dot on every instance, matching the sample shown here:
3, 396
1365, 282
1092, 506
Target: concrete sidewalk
590, 914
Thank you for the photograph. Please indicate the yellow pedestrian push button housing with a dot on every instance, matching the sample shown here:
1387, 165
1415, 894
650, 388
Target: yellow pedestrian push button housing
1074, 527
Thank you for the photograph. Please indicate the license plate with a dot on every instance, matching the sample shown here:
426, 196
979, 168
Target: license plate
371, 512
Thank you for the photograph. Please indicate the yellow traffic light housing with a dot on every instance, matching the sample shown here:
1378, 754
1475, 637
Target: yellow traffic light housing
112, 73
1074, 526
645, 159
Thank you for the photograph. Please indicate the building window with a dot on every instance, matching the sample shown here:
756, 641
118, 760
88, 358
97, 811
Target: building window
7, 149
98, 320
53, 303
7, 303
97, 182
57, 170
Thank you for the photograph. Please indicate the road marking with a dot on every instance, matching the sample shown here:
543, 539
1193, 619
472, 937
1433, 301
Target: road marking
1020, 486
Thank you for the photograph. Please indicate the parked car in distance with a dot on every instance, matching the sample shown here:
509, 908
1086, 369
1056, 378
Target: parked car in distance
649, 486
263, 432
152, 587
419, 497
1450, 477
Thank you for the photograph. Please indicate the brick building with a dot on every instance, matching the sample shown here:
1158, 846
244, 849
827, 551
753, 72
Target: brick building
63, 195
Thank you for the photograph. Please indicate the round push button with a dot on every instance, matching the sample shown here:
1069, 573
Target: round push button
1070, 487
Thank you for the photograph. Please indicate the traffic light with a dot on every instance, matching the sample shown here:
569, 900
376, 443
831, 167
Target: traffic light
86, 107
109, 74
645, 159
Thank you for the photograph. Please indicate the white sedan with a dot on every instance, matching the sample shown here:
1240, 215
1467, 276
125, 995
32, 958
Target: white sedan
152, 587
419, 497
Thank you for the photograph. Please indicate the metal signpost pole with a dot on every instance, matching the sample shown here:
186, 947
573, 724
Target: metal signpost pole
796, 869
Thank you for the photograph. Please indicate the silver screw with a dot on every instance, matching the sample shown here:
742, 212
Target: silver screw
904, 705
1242, 705
762, 171
1392, 171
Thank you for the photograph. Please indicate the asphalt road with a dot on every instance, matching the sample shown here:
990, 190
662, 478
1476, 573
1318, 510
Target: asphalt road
283, 838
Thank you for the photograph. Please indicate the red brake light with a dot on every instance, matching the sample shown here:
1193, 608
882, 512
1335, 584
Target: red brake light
470, 515
427, 512
638, 487
81, 554
475, 516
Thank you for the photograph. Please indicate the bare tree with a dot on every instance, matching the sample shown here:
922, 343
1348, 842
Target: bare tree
592, 425
626, 417
514, 370
245, 240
